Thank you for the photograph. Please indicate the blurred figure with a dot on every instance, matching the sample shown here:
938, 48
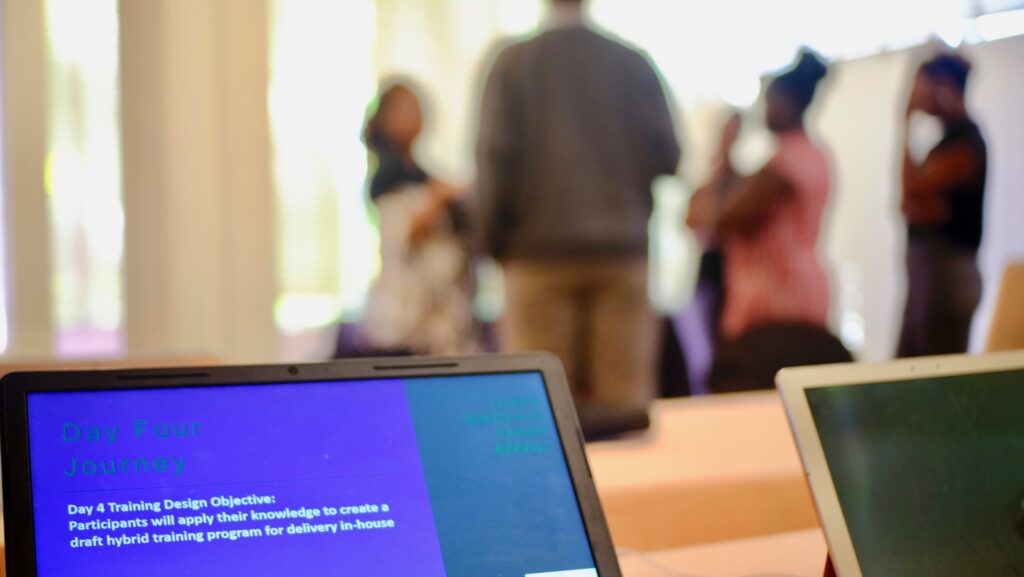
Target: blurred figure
699, 324
420, 303
769, 224
943, 203
574, 129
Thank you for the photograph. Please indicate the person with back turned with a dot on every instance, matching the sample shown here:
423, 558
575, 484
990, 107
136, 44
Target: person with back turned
943, 203
574, 129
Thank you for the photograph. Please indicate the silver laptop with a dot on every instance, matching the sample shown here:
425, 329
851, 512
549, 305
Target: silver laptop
917, 466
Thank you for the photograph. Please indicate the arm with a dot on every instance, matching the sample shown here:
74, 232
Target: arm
424, 222
924, 184
703, 209
749, 203
708, 201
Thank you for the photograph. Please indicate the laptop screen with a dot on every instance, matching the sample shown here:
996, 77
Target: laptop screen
458, 476
929, 473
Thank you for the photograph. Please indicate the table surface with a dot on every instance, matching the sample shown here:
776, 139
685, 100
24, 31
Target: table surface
799, 554
796, 554
726, 436
710, 469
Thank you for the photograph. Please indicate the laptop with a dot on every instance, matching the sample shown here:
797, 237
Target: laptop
463, 467
916, 466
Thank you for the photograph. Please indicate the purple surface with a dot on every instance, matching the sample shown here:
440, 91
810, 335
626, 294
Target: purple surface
324, 447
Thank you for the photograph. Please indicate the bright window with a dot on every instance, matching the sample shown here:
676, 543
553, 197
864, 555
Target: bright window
720, 49
322, 77
83, 176
517, 17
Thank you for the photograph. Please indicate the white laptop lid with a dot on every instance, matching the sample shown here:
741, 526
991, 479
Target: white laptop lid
917, 466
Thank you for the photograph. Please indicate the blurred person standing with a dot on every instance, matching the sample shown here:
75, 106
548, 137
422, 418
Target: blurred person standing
943, 203
421, 302
574, 129
777, 292
769, 222
699, 324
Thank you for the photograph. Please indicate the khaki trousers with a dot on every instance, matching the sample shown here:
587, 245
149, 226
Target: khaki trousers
595, 315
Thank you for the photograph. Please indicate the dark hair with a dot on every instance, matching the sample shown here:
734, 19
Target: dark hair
373, 132
952, 67
801, 80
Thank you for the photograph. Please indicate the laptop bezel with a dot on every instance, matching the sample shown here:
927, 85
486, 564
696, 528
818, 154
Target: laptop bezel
19, 527
793, 384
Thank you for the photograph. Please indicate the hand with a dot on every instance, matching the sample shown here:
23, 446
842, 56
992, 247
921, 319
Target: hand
912, 107
730, 134
424, 223
920, 93
442, 191
422, 226
703, 209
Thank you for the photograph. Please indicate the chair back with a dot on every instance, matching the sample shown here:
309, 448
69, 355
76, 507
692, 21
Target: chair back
1007, 330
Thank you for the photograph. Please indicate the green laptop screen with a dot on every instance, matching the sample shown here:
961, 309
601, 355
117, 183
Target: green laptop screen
929, 473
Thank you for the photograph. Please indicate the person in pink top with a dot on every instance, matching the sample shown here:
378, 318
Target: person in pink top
768, 223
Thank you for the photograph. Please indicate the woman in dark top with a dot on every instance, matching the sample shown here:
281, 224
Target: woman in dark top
943, 203
420, 303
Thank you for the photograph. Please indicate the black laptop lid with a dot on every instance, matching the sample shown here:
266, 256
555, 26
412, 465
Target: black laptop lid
460, 468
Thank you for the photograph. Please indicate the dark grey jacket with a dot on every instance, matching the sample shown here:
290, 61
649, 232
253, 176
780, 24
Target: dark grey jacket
574, 128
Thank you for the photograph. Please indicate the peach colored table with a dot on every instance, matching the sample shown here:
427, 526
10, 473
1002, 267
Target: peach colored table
711, 469
797, 554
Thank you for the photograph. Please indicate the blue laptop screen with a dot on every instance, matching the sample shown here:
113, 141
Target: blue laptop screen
458, 476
